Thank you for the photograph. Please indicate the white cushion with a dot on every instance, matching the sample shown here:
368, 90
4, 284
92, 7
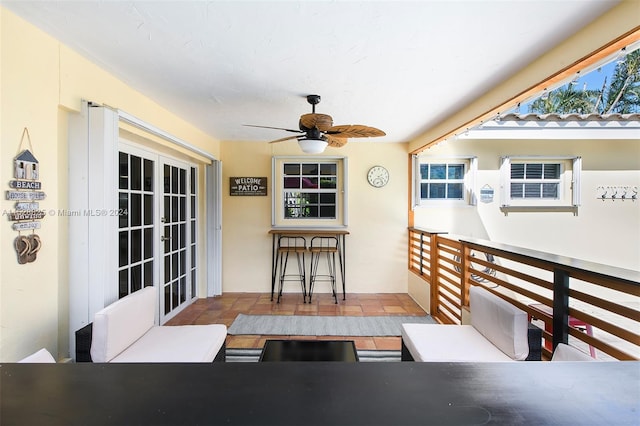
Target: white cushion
41, 357
500, 322
449, 343
123, 322
185, 343
565, 352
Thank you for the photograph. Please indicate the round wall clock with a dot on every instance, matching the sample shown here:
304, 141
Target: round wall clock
378, 176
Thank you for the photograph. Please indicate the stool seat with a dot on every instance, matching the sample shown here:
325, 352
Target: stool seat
292, 249
296, 246
323, 249
327, 246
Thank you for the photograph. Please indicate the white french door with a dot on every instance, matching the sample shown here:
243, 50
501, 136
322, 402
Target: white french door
157, 228
178, 273
137, 257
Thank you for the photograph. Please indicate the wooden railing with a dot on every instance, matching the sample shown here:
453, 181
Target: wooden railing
589, 305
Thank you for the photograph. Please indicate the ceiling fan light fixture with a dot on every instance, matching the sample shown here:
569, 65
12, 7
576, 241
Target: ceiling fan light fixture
312, 146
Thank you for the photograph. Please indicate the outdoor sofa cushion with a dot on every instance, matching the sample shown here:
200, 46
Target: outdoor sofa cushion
43, 356
564, 352
449, 343
183, 343
498, 332
500, 322
125, 331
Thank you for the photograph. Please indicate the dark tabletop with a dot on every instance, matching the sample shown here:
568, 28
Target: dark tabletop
309, 350
321, 393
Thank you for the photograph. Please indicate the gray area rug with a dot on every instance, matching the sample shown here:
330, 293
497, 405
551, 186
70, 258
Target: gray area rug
311, 325
253, 355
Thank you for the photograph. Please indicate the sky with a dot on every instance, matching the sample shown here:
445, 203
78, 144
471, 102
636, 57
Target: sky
595, 78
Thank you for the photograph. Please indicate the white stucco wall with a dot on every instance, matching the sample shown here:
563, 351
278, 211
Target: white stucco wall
602, 231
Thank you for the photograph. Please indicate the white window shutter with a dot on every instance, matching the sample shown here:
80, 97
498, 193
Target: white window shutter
505, 181
575, 184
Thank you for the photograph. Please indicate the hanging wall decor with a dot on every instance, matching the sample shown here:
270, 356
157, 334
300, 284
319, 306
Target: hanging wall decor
248, 186
26, 192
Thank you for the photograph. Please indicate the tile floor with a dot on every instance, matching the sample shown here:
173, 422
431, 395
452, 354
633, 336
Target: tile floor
224, 309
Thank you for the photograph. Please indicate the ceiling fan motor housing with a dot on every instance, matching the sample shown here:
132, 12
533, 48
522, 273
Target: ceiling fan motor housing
314, 134
313, 99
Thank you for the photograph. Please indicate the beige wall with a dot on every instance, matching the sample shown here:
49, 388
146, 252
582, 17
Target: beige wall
376, 246
41, 81
601, 231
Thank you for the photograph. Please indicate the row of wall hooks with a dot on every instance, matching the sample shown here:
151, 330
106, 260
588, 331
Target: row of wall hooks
617, 192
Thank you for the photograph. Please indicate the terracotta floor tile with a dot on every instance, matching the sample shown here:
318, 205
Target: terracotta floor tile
373, 309
307, 309
329, 310
242, 341
387, 343
392, 309
364, 343
351, 310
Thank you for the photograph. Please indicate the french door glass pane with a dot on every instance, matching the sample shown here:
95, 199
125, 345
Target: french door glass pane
193, 195
136, 223
148, 273
148, 175
123, 171
136, 210
123, 204
179, 223
123, 253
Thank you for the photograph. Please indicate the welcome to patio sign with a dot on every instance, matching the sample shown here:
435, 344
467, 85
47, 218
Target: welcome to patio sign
248, 186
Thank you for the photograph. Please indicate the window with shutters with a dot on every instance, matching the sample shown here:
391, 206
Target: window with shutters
540, 181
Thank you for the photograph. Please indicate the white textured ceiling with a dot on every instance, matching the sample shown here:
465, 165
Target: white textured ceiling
401, 66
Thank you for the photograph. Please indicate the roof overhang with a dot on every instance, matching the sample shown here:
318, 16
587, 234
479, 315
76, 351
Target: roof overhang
554, 126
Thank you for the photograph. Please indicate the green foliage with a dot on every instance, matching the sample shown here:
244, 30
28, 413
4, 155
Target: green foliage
621, 95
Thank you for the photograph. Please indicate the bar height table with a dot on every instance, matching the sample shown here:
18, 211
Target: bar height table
321, 393
308, 232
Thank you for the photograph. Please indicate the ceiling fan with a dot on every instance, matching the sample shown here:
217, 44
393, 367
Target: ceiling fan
317, 130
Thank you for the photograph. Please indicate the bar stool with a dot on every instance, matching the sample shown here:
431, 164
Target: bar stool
327, 246
296, 246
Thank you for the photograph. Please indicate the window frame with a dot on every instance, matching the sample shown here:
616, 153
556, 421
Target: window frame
278, 219
568, 185
469, 193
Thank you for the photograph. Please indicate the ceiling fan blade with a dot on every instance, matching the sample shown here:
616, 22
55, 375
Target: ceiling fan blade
354, 131
320, 121
284, 139
336, 142
276, 128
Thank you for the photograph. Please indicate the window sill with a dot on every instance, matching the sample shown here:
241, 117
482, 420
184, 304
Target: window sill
537, 209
